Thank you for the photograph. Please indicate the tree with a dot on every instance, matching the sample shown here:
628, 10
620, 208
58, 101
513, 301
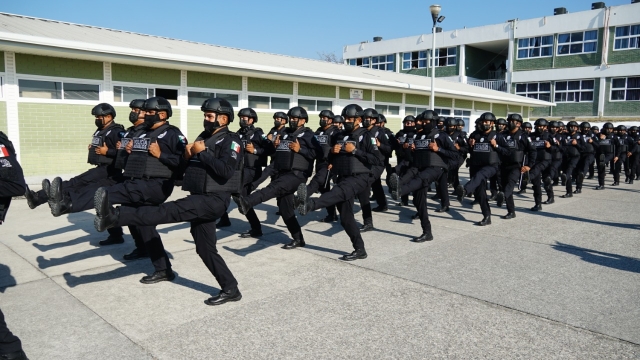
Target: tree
330, 57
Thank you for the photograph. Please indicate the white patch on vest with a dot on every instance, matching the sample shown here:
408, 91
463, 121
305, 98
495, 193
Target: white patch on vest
345, 138
537, 138
423, 137
96, 133
251, 136
509, 137
219, 141
360, 138
125, 134
108, 132
5, 163
436, 136
482, 139
301, 134
285, 136
234, 155
141, 136
162, 135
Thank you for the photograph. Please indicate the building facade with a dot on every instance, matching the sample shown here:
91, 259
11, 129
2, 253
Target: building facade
587, 62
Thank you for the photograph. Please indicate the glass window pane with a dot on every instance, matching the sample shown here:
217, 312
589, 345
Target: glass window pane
633, 82
617, 44
452, 51
634, 43
382, 109
591, 35
391, 58
523, 43
617, 95
586, 96
40, 89
280, 103
587, 84
422, 63
561, 85
619, 83
422, 55
523, 54
151, 93
521, 87
532, 87
117, 93
563, 38
622, 31
624, 43
259, 102
590, 47
394, 110
633, 95
81, 91
563, 49
365, 62
635, 30
231, 98
451, 60
546, 51
545, 87
309, 105
409, 110
544, 97
534, 52
575, 37
406, 56
547, 40
352, 62
576, 48
406, 65
324, 105
196, 98
574, 85
560, 97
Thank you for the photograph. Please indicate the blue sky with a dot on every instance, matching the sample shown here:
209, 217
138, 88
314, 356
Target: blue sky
297, 28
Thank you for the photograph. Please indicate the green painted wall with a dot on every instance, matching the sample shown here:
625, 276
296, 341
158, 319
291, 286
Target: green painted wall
538, 112
3, 116
443, 102
145, 75
345, 94
384, 96
580, 109
270, 86
619, 108
478, 61
316, 90
591, 59
441, 71
512, 109
415, 99
463, 104
214, 81
63, 67
621, 56
1, 61
500, 110
57, 144
394, 123
484, 106
531, 64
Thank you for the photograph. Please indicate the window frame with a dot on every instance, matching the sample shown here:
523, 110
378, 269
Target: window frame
389, 65
270, 95
536, 92
61, 80
455, 56
616, 37
362, 58
626, 88
552, 45
425, 107
583, 42
316, 99
567, 91
439, 111
2, 76
141, 85
215, 91
376, 103
417, 60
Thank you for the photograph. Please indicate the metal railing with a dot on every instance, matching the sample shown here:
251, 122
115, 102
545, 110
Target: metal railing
499, 85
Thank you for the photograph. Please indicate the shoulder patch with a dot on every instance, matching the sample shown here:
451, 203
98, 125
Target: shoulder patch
162, 135
436, 136
235, 146
182, 139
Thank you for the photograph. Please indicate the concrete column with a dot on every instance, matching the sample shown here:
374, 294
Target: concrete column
183, 101
12, 93
107, 83
294, 98
243, 101
403, 111
463, 64
510, 56
337, 109
602, 97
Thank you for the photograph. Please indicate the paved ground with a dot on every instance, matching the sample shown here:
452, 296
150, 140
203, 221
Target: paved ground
563, 283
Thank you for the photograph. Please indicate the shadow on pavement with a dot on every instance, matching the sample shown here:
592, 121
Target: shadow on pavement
6, 279
613, 261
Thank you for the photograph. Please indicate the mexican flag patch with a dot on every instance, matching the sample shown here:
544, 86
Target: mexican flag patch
235, 147
4, 152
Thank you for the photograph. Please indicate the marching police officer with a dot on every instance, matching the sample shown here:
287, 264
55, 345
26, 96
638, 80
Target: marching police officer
353, 157
369, 119
296, 150
522, 158
213, 173
402, 155
572, 146
556, 162
634, 158
626, 148
280, 120
587, 154
546, 148
607, 151
486, 147
320, 181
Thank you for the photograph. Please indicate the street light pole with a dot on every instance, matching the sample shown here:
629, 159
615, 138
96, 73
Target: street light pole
435, 11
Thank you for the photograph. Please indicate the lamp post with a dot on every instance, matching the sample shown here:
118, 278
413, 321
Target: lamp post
435, 14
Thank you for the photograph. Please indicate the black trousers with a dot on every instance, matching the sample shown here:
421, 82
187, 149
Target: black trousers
539, 171
201, 211
342, 195
282, 187
509, 176
478, 185
602, 170
417, 181
81, 195
249, 175
554, 171
617, 167
320, 182
586, 161
94, 175
9, 343
570, 167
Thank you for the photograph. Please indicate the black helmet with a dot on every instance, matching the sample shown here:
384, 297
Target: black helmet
103, 109
527, 125
250, 113
280, 115
429, 115
370, 113
622, 128
560, 124
572, 123
515, 117
441, 119
136, 104
337, 119
488, 117
419, 117
607, 125
352, 110
218, 106
633, 128
382, 118
553, 124
450, 123
541, 122
460, 122
159, 103
409, 118
298, 112
326, 113
595, 128
585, 125
501, 121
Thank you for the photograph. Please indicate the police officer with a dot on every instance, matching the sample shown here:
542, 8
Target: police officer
11, 184
501, 125
354, 155
635, 150
626, 148
321, 180
252, 142
556, 162
391, 139
402, 155
384, 143
540, 173
460, 142
152, 166
572, 147
432, 152
338, 122
296, 150
595, 131
607, 151
486, 147
213, 173
522, 158
280, 120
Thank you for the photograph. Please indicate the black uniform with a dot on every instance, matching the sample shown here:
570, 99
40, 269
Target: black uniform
320, 181
460, 138
626, 145
354, 176
211, 176
571, 154
522, 153
403, 156
386, 150
586, 157
542, 168
269, 150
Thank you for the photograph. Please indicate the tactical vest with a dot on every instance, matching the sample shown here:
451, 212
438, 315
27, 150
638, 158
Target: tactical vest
324, 138
541, 149
483, 153
98, 141
606, 146
200, 179
346, 164
9, 168
516, 155
558, 154
423, 157
251, 160
140, 164
287, 159
588, 147
121, 152
569, 149
622, 144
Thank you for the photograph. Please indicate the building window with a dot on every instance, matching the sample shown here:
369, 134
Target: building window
540, 91
268, 102
196, 98
574, 91
129, 93
540, 46
462, 114
315, 105
413, 110
363, 62
625, 89
38, 89
446, 56
578, 42
387, 110
384, 62
443, 112
414, 60
627, 37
